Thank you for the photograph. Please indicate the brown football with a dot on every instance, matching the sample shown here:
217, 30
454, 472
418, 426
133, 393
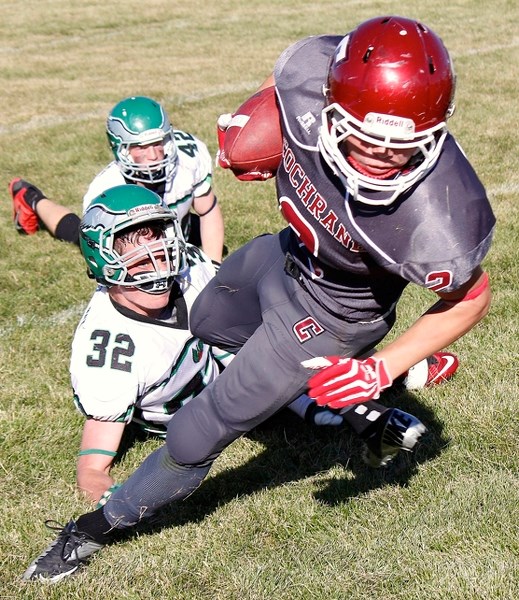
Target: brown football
253, 140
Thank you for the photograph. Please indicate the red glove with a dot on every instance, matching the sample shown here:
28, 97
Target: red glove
252, 175
345, 381
221, 127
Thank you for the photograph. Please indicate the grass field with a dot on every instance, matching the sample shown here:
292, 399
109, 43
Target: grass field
288, 512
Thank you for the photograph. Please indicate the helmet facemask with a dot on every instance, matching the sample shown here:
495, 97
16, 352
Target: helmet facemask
129, 237
390, 84
153, 172
157, 246
136, 122
385, 131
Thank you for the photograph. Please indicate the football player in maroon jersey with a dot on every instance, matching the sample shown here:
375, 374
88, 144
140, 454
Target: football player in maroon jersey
377, 194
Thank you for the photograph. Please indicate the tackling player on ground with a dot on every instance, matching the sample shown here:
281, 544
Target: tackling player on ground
149, 152
378, 195
134, 359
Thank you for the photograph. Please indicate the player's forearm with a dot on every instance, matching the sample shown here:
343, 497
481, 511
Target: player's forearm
212, 234
443, 324
93, 483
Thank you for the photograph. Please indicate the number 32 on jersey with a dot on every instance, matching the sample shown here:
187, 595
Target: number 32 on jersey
116, 354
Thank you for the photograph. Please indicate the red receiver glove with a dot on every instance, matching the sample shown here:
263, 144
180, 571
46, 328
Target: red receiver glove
221, 127
345, 381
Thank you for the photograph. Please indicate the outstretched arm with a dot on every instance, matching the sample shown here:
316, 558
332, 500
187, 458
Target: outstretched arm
450, 318
341, 382
99, 445
211, 225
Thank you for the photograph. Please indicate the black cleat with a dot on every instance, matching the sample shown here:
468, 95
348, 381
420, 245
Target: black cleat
63, 556
395, 430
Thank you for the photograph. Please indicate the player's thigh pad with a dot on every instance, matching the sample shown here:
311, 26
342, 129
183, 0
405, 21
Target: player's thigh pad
263, 377
227, 311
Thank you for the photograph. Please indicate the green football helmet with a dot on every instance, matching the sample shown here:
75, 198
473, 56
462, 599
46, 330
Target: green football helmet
122, 210
139, 121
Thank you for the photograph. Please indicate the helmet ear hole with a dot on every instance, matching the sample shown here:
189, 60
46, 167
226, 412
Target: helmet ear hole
91, 263
366, 56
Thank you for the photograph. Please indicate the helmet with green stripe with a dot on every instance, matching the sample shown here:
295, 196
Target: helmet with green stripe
141, 121
130, 227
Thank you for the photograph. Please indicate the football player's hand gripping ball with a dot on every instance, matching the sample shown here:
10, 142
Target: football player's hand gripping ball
221, 127
342, 382
250, 142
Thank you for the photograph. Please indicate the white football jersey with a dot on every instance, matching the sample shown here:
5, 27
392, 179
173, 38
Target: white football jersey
125, 366
192, 179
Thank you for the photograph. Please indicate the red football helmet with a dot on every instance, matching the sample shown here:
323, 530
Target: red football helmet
390, 83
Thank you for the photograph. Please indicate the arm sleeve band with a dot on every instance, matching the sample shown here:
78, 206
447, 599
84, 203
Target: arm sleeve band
477, 291
210, 208
96, 451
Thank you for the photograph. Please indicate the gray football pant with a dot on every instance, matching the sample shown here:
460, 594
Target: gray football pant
254, 306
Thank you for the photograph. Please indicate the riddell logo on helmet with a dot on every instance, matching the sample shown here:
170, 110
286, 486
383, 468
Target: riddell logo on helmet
144, 208
381, 124
150, 135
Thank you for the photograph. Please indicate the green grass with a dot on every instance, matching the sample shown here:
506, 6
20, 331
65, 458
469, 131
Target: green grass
287, 512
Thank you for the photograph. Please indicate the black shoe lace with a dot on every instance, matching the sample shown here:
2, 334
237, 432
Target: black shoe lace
75, 537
